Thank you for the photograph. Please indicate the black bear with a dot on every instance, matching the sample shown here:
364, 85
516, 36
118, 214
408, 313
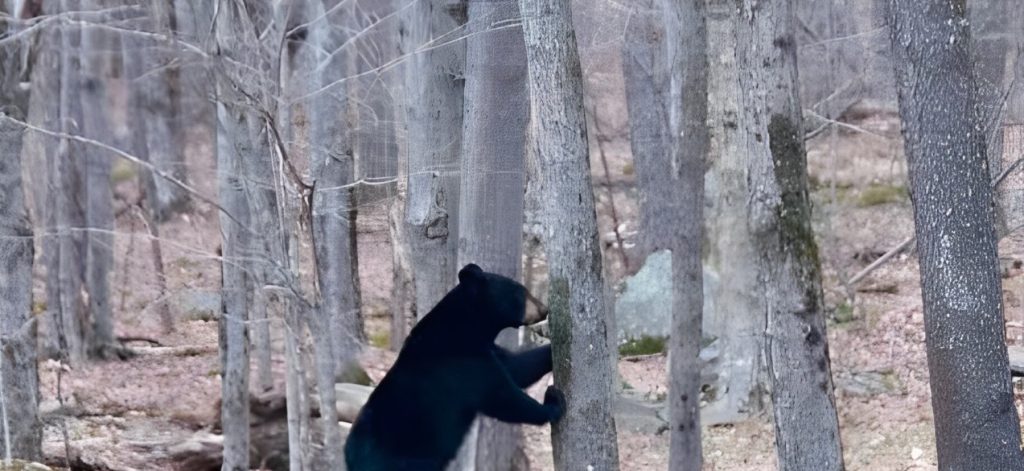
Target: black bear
448, 371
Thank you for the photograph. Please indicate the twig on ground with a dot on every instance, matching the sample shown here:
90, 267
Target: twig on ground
881, 260
636, 358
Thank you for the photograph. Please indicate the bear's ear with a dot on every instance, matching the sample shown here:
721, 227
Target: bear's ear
470, 273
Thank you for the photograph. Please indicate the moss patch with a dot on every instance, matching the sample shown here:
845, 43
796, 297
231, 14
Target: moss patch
875, 195
794, 213
353, 372
122, 171
381, 339
843, 313
643, 346
561, 326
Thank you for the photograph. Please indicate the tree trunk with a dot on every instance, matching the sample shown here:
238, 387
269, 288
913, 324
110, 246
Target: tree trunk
159, 115
333, 208
806, 424
732, 309
232, 148
235, 39
951, 195
665, 64
403, 300
295, 325
403, 293
434, 94
374, 134
990, 42
681, 208
99, 196
337, 327
19, 381
41, 151
268, 261
68, 174
646, 70
135, 72
494, 173
585, 436
995, 54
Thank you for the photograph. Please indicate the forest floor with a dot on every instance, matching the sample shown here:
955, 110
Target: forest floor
124, 414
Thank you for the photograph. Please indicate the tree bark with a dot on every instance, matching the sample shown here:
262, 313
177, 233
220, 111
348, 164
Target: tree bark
403, 292
434, 94
337, 326
68, 172
646, 70
666, 65
19, 381
154, 101
806, 424
951, 195
295, 325
99, 196
494, 173
235, 38
732, 312
682, 210
990, 43
995, 54
44, 112
331, 164
585, 436
236, 286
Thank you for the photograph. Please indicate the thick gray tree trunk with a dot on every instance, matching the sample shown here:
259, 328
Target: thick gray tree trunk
236, 39
403, 290
646, 70
950, 191
332, 166
266, 198
990, 42
41, 155
295, 325
20, 428
268, 262
585, 436
232, 148
1015, 102
493, 179
374, 134
996, 39
337, 327
434, 95
155, 99
806, 424
99, 196
135, 72
666, 67
68, 173
732, 312
681, 208
19, 383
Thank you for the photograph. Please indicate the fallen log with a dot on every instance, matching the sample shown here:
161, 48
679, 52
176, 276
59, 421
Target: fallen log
268, 433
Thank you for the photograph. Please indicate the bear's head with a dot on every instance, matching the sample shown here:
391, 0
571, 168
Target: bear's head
499, 301
472, 314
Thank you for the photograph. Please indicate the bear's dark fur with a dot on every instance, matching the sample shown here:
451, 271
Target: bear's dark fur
448, 371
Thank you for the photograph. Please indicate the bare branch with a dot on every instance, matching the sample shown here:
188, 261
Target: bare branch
845, 125
126, 156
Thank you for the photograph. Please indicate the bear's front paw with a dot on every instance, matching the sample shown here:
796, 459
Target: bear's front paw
554, 400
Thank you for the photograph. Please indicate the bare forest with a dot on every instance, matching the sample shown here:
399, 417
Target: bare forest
765, 234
